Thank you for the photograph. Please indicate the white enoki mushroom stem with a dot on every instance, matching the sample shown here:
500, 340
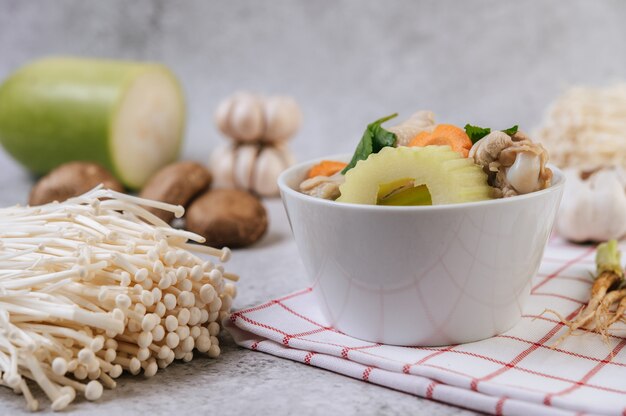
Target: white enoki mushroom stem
584, 128
98, 284
31, 403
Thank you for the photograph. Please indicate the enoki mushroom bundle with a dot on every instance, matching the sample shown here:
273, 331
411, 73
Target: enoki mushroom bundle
98, 285
586, 128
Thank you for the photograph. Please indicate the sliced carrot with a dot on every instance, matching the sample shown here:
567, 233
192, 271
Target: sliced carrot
422, 139
445, 134
326, 168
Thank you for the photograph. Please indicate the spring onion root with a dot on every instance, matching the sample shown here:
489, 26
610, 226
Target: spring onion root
97, 285
604, 294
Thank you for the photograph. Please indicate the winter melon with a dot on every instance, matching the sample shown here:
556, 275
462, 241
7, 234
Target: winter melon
127, 116
435, 172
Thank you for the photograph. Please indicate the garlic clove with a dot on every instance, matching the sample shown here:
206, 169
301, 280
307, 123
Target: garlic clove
246, 120
244, 165
222, 116
270, 163
523, 175
609, 206
282, 118
221, 164
575, 219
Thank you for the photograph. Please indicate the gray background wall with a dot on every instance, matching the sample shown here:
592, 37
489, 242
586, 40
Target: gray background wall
489, 62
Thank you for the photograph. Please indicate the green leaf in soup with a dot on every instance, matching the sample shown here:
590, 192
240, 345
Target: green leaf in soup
382, 138
374, 139
476, 133
511, 130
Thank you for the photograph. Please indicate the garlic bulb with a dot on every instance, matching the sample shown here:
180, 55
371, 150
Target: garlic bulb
282, 119
250, 167
593, 209
241, 117
246, 117
259, 128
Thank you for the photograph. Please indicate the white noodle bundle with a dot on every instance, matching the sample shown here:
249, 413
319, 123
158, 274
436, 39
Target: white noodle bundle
97, 285
586, 128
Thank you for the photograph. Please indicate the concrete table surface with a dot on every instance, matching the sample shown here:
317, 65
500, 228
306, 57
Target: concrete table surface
239, 381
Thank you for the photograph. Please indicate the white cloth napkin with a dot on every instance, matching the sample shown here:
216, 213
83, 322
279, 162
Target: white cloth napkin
517, 373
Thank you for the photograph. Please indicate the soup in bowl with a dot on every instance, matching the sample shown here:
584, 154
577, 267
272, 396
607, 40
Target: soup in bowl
420, 275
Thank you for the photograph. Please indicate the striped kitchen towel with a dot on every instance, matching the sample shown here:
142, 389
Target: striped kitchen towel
517, 373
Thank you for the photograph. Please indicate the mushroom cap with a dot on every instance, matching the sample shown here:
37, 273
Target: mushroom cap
227, 217
71, 179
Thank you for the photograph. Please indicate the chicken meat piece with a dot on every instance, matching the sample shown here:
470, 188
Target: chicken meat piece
411, 127
325, 187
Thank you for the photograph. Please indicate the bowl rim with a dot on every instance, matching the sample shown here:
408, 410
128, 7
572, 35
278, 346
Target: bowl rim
285, 189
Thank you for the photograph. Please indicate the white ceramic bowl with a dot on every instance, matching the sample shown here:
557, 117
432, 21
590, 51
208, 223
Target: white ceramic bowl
431, 275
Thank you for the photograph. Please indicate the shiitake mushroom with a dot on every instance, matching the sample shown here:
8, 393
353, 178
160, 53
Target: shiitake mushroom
227, 217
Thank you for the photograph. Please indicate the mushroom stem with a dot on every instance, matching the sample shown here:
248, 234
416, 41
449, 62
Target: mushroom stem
57, 397
87, 288
31, 402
